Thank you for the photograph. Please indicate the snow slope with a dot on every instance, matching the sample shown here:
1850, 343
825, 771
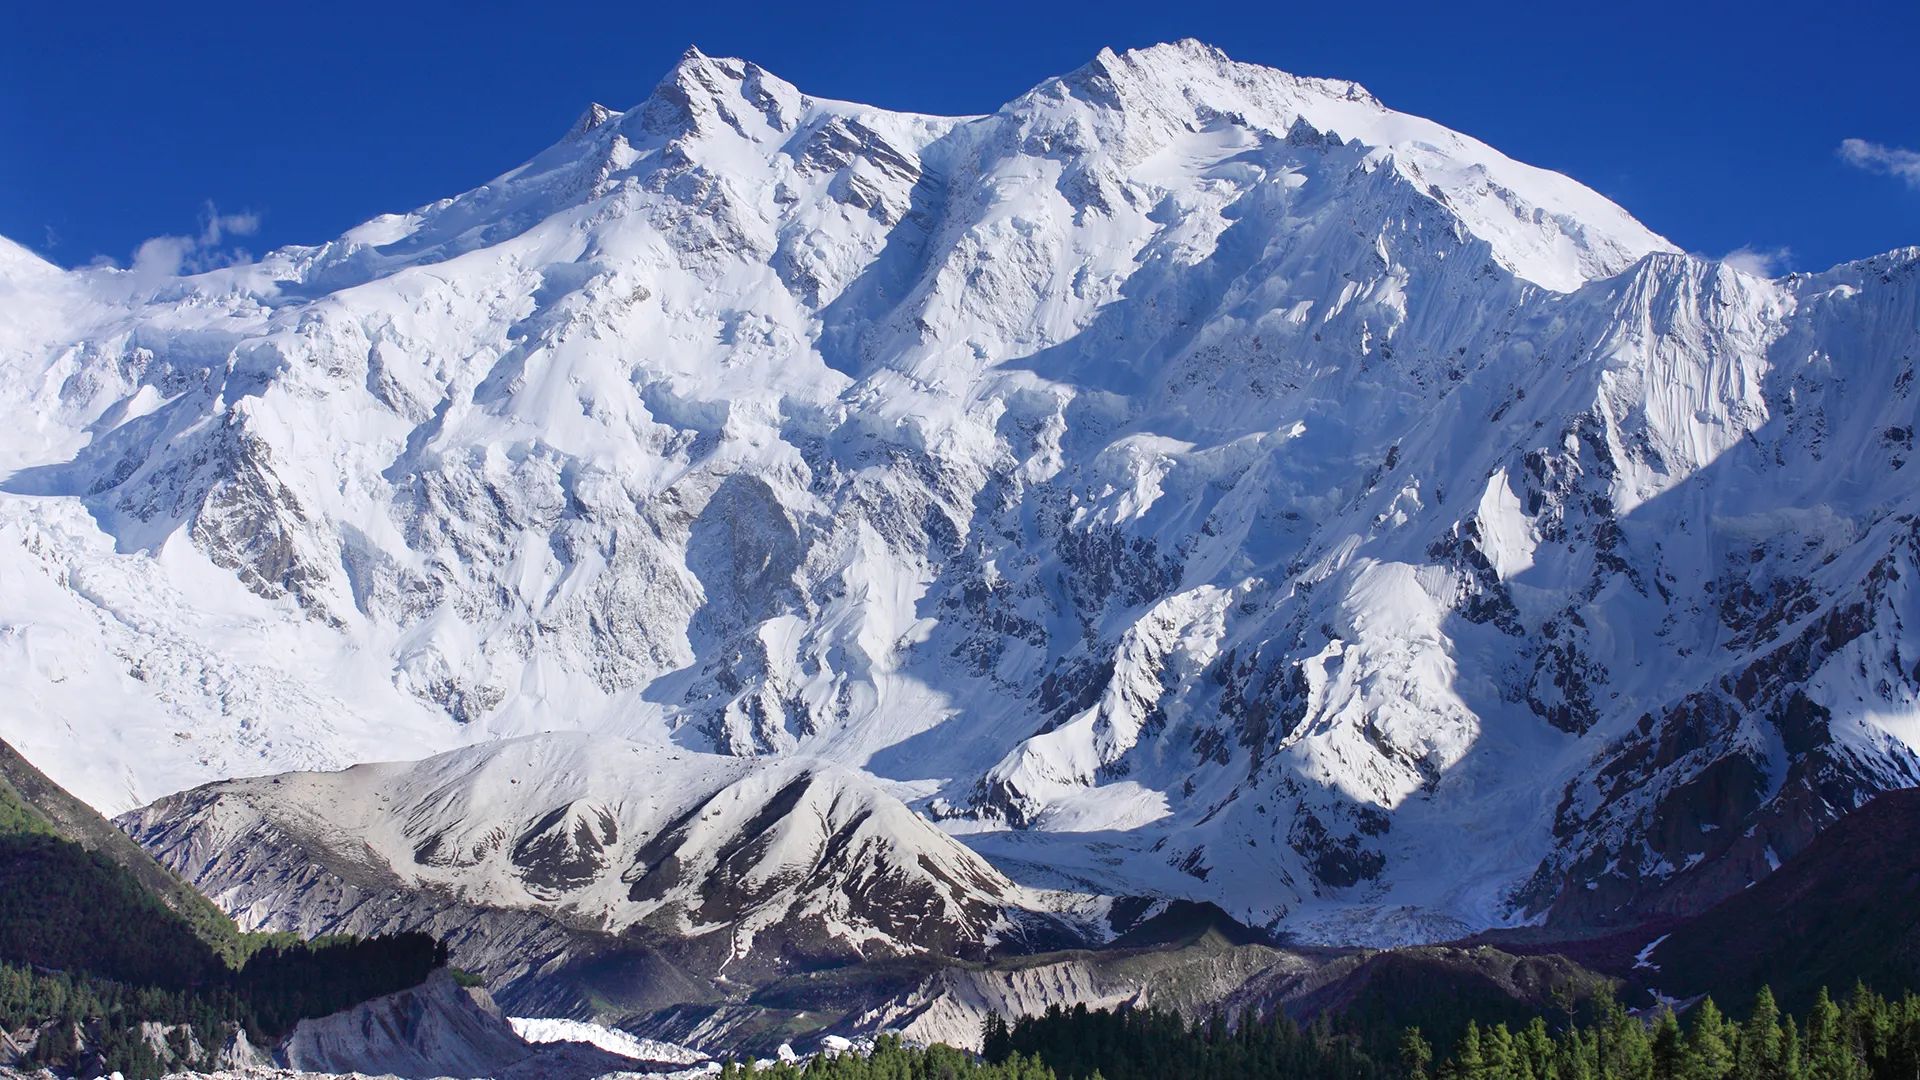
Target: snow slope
1188, 480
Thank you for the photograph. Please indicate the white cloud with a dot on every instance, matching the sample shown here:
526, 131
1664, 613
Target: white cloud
218, 224
170, 256
1763, 262
162, 256
1891, 160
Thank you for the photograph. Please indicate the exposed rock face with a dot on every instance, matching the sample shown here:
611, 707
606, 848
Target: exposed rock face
1833, 915
437, 1029
1188, 480
953, 1005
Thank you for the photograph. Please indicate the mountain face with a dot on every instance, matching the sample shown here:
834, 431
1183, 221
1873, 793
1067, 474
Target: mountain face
1190, 480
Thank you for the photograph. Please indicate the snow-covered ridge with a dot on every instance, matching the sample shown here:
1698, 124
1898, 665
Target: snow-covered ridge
1188, 480
757, 863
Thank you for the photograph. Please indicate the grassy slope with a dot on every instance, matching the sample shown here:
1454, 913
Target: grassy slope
31, 804
1439, 988
81, 901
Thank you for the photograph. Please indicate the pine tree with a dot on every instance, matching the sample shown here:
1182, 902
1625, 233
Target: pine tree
1792, 1056
1502, 1056
1468, 1062
1710, 1043
996, 1042
1416, 1055
1670, 1059
1868, 1021
1623, 1048
1535, 1045
1762, 1051
1829, 1049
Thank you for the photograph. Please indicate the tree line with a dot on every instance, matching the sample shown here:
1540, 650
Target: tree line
75, 1016
1152, 1044
891, 1059
1865, 1037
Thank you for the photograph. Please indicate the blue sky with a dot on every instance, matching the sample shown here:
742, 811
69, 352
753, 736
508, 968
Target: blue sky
1719, 125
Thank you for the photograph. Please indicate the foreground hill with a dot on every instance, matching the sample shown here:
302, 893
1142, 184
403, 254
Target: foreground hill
533, 857
538, 857
1839, 913
39, 820
110, 962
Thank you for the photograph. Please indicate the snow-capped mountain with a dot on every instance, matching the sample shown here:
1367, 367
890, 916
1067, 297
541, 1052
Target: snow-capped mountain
1189, 480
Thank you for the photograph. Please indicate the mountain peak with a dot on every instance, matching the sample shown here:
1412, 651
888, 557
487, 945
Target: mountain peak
1184, 51
693, 60
594, 115
700, 91
1188, 64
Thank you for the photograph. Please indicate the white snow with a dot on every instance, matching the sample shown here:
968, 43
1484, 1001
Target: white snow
1644, 958
551, 1030
1508, 536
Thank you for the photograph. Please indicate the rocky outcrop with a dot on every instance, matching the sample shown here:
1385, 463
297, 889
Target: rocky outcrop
438, 1029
